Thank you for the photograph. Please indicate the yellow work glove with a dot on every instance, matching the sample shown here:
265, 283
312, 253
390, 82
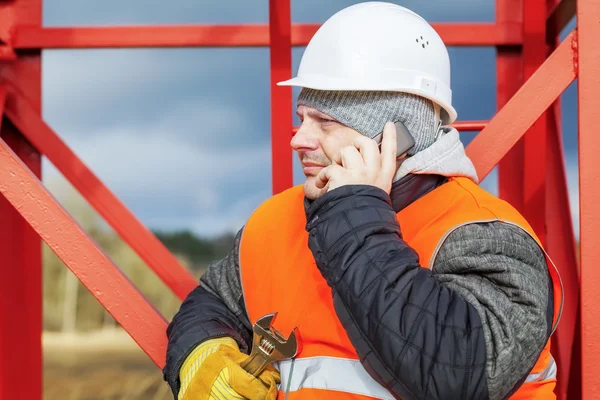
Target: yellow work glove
212, 372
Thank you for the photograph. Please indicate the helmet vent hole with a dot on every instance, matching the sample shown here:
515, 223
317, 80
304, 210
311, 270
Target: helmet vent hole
424, 43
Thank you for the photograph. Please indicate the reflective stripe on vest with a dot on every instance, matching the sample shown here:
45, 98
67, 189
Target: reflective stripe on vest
347, 375
548, 373
330, 373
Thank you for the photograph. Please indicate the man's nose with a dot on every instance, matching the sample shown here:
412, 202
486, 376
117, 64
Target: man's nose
304, 139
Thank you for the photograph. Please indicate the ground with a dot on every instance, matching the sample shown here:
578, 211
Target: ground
105, 365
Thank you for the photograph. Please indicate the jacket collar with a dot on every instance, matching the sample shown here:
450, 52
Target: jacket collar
430, 168
410, 188
445, 157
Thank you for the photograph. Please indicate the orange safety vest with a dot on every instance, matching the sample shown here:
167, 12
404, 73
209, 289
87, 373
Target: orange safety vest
279, 274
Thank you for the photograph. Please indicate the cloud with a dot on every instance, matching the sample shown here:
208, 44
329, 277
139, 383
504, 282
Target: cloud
232, 219
317, 11
214, 223
213, 125
182, 136
93, 89
125, 161
120, 12
169, 182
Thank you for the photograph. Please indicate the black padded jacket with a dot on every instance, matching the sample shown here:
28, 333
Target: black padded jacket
470, 328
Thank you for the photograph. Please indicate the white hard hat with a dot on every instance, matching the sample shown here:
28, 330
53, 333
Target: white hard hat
378, 46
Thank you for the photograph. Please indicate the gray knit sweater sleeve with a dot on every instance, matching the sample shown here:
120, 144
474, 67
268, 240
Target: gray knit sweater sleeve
222, 279
502, 272
213, 309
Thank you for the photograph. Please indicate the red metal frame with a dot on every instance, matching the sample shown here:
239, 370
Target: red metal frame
20, 246
523, 138
509, 71
141, 240
281, 96
534, 178
561, 246
81, 255
35, 37
524, 108
588, 15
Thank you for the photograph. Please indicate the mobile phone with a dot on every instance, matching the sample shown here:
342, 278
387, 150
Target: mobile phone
404, 140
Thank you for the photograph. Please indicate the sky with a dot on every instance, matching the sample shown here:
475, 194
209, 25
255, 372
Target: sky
182, 135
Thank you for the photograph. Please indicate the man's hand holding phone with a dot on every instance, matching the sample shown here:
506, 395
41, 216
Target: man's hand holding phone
363, 163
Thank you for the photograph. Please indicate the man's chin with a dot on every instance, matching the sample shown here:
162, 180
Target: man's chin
311, 191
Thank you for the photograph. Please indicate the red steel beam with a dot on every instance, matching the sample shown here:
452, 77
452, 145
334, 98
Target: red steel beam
281, 96
561, 246
20, 289
509, 77
588, 20
133, 232
32, 37
82, 256
532, 99
479, 34
534, 54
21, 300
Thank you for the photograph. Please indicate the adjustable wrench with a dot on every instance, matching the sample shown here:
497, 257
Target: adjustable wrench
268, 346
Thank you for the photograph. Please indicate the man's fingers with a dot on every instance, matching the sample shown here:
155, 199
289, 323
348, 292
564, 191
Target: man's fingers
368, 150
325, 175
349, 157
389, 147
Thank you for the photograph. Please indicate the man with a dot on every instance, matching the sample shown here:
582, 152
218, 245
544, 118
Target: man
403, 277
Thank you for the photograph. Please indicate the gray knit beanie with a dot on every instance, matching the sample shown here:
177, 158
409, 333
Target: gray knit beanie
367, 112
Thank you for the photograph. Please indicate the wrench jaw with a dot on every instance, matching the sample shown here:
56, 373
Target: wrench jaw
266, 322
283, 348
269, 346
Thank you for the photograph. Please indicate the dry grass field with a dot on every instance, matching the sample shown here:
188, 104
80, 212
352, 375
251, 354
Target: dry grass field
99, 366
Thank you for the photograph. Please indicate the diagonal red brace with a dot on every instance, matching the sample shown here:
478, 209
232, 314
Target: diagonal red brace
526, 106
81, 255
141, 240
